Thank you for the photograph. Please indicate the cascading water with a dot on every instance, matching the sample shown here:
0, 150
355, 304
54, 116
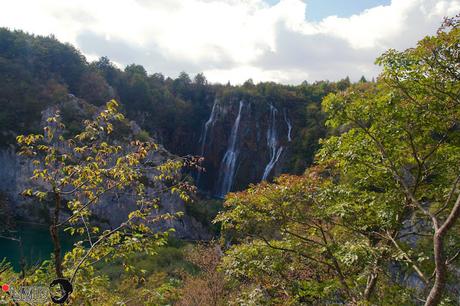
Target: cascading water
204, 136
207, 125
228, 163
288, 122
272, 143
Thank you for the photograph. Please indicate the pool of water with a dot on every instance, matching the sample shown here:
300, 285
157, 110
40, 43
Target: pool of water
36, 242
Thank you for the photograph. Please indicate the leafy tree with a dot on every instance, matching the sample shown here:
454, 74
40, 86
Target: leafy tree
403, 139
108, 70
384, 193
297, 243
208, 287
75, 174
200, 79
249, 83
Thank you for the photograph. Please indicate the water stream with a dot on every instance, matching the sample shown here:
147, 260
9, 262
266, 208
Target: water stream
272, 143
204, 136
288, 122
228, 163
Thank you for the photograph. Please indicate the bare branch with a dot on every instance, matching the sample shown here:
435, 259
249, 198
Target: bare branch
453, 258
450, 196
87, 231
414, 265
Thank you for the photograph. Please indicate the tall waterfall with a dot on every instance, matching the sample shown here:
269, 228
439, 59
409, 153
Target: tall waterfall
288, 122
207, 125
228, 163
204, 136
272, 143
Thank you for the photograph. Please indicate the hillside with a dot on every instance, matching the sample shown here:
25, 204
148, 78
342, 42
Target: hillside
38, 72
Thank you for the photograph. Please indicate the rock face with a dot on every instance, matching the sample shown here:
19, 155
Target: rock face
243, 141
15, 173
14, 178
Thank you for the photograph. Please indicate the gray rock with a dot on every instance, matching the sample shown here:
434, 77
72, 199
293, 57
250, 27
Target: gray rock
112, 210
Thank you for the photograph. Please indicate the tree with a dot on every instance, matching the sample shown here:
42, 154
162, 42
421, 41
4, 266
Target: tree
108, 70
200, 79
402, 138
134, 69
208, 287
296, 245
184, 78
75, 174
363, 79
384, 193
181, 86
249, 83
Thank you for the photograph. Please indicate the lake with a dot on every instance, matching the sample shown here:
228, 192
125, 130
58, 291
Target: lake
37, 244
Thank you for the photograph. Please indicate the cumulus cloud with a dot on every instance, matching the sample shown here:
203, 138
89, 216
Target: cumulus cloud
231, 40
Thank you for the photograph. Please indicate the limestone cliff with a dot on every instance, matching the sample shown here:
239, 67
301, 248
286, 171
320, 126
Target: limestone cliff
15, 173
244, 141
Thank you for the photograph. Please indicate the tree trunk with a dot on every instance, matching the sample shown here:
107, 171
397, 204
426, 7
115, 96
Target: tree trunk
55, 235
436, 292
435, 296
22, 260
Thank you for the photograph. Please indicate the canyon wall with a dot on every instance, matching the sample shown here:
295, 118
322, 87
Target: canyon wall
113, 209
243, 141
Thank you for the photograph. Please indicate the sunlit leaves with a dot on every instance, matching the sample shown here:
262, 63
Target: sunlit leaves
86, 169
392, 160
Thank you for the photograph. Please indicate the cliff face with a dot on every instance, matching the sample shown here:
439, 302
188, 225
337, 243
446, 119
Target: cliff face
113, 208
243, 141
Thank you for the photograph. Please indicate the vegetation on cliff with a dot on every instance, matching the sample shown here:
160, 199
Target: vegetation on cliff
37, 72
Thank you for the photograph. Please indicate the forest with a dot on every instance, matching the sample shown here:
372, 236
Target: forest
359, 202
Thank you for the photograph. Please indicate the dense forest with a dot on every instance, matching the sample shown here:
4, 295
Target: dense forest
362, 210
40, 71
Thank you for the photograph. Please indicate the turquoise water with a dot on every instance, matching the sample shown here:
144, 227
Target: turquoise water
37, 244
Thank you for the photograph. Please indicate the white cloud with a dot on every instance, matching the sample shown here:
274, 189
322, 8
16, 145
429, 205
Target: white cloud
231, 39
382, 25
241, 74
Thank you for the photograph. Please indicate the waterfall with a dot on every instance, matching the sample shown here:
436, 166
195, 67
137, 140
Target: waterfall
204, 135
288, 122
228, 163
207, 125
272, 143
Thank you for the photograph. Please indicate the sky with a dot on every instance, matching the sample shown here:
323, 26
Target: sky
286, 41
320, 9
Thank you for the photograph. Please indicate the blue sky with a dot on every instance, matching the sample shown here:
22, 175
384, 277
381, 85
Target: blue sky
319, 9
